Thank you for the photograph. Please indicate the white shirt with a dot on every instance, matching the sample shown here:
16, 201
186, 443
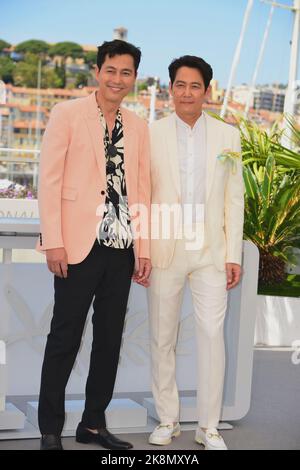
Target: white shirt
191, 143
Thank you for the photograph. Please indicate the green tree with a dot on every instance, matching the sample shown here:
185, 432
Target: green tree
142, 86
61, 73
4, 45
90, 58
26, 71
7, 67
81, 79
50, 79
26, 74
34, 46
66, 49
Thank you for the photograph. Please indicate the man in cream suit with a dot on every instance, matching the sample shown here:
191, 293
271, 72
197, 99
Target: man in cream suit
94, 174
196, 168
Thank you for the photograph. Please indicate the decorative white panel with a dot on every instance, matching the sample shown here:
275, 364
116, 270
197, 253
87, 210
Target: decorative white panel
26, 299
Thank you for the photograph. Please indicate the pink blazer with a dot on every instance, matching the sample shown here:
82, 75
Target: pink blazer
72, 177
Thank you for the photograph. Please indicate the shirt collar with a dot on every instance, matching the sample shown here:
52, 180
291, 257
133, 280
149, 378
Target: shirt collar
186, 126
102, 118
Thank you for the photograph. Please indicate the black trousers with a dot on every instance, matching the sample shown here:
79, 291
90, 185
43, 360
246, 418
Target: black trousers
105, 276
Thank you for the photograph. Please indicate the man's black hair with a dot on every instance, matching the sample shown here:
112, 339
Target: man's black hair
118, 47
192, 62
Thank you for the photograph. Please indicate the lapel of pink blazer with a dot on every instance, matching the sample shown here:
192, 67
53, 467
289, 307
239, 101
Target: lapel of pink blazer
95, 131
96, 135
130, 152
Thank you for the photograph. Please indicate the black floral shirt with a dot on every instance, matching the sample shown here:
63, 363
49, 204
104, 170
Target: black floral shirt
115, 230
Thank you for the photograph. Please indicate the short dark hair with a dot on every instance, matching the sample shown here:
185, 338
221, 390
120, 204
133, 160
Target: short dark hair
193, 62
118, 47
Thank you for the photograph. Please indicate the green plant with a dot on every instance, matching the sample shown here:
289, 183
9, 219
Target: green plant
272, 217
293, 131
272, 197
258, 145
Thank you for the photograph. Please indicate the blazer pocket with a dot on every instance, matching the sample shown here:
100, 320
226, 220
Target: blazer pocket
69, 193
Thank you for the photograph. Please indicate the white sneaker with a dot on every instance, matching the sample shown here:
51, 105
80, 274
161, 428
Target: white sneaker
211, 439
163, 433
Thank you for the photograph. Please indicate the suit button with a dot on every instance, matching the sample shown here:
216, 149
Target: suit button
102, 192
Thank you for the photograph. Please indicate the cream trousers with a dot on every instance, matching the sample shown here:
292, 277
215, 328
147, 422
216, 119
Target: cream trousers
208, 287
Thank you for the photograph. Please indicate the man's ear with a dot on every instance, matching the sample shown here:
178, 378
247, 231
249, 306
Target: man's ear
96, 71
170, 89
208, 91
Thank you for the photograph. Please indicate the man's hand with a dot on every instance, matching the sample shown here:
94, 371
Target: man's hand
57, 261
234, 274
142, 275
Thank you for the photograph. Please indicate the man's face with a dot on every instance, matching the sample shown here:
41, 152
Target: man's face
116, 77
188, 91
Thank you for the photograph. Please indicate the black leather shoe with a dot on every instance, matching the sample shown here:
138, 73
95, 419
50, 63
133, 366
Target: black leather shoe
104, 438
51, 442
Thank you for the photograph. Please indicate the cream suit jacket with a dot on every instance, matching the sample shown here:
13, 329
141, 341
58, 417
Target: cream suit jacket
224, 201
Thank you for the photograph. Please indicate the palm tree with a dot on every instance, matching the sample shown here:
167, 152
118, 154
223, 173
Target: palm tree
272, 217
272, 197
258, 144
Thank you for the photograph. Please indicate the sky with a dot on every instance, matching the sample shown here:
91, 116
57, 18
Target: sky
163, 29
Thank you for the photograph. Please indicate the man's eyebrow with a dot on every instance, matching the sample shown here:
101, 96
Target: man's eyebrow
193, 83
114, 68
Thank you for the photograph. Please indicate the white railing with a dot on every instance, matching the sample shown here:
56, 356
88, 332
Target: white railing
11, 172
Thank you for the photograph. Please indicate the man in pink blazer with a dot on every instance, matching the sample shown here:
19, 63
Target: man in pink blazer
94, 178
